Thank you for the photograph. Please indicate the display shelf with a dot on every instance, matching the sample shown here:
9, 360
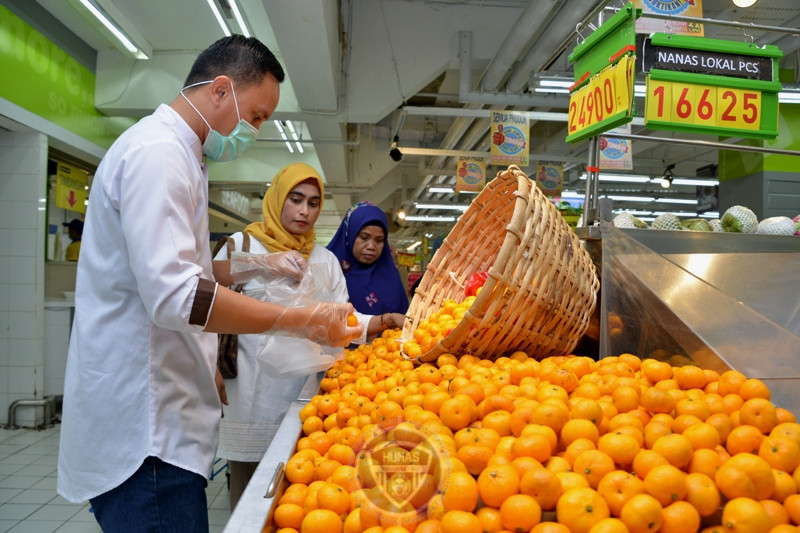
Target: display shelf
725, 301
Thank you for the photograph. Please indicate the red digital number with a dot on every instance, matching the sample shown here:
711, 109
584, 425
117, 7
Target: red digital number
598, 103
608, 93
573, 108
704, 108
659, 92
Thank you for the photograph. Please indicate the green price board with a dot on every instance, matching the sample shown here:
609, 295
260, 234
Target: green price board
711, 86
602, 96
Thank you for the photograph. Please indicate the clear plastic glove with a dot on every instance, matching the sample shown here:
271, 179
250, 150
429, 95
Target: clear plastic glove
323, 323
267, 267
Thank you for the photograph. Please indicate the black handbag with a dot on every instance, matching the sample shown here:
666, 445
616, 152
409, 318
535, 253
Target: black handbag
228, 344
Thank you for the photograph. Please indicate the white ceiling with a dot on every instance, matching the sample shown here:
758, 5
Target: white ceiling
361, 71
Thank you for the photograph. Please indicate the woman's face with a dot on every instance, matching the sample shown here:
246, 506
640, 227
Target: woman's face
301, 208
368, 244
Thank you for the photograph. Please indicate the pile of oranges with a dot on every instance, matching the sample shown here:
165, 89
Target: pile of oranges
566, 444
436, 326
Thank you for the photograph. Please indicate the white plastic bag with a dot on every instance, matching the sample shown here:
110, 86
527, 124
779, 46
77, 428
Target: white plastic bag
282, 356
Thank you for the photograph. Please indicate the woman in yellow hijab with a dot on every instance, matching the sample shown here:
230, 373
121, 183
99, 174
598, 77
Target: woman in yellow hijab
257, 401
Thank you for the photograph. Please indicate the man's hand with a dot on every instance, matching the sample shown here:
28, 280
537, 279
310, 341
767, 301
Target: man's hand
220, 383
323, 323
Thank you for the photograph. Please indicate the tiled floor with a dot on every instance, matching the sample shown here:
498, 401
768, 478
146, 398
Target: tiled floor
28, 499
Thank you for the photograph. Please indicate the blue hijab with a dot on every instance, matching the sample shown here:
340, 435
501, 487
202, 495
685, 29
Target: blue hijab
377, 288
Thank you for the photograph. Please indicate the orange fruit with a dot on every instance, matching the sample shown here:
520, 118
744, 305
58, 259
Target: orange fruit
593, 465
742, 515
333, 497
531, 445
744, 439
676, 448
489, 518
581, 508
498, 482
657, 401
790, 430
760, 413
520, 512
457, 521
578, 428
754, 388
745, 475
545, 431
621, 447
665, 483
679, 517
617, 488
499, 421
288, 515
702, 435
543, 485
300, 470
571, 480
705, 461
475, 458
321, 521
576, 448
549, 527
460, 492
785, 485
730, 382
722, 422
702, 493
776, 512
645, 461
656, 371
642, 514
780, 452
792, 506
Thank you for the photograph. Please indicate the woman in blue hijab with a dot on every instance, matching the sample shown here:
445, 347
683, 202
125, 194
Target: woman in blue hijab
373, 281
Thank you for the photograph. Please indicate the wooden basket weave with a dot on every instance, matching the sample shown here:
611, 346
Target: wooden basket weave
542, 285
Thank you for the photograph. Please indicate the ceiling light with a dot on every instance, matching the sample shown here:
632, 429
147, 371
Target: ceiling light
445, 190
294, 136
709, 214
744, 3
666, 179
638, 199
675, 201
282, 132
789, 97
239, 19
413, 246
699, 182
415, 218
401, 215
394, 151
120, 36
218, 16
448, 207
620, 178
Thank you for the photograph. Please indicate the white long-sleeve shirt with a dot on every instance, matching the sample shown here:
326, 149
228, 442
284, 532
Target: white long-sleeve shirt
140, 371
258, 401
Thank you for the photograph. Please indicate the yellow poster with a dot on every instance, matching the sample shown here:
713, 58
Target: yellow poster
678, 8
509, 133
70, 188
550, 177
406, 259
471, 174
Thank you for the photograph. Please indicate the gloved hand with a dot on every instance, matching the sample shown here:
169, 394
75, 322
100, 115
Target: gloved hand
267, 267
324, 323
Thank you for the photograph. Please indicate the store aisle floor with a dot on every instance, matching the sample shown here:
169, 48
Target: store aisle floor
28, 499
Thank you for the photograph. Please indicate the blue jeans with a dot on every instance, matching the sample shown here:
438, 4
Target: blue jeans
158, 497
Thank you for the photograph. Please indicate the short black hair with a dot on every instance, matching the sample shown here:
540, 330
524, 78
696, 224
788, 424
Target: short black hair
245, 59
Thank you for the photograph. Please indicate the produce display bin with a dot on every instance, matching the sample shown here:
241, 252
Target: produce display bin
723, 300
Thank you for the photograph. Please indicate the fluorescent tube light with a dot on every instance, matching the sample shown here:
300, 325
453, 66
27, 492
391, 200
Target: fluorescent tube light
620, 178
709, 214
564, 84
444, 190
413, 246
551, 90
218, 16
448, 207
294, 136
700, 182
415, 218
675, 201
115, 31
639, 199
239, 19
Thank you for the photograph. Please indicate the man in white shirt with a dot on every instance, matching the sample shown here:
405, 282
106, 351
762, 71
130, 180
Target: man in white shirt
141, 409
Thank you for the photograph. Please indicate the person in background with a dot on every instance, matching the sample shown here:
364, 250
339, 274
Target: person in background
373, 281
75, 231
257, 402
141, 408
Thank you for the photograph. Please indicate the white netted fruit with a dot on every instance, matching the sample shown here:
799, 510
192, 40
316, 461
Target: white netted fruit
776, 226
716, 225
667, 221
796, 221
626, 220
696, 224
739, 219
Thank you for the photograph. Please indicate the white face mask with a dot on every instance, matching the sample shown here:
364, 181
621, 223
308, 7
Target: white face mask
218, 147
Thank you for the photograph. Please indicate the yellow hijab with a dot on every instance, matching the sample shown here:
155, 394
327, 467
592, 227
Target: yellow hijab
270, 232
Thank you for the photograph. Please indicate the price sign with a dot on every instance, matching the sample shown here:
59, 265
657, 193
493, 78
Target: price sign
602, 103
703, 105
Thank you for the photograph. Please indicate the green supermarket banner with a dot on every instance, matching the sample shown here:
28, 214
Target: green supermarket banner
49, 83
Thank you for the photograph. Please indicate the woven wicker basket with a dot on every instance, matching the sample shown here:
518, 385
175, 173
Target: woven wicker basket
542, 285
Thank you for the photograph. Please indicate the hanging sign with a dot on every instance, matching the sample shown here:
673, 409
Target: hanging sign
510, 131
681, 8
550, 177
406, 259
602, 96
70, 188
471, 174
711, 86
615, 153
